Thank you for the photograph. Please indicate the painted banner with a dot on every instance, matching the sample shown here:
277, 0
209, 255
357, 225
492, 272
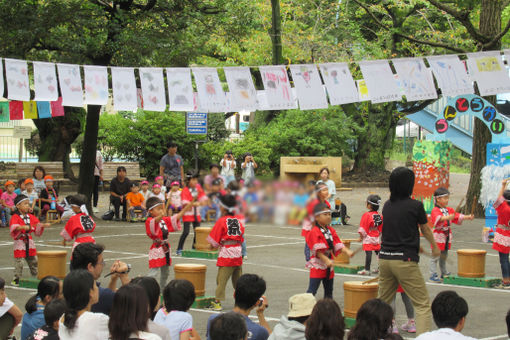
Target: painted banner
309, 89
451, 75
339, 83
30, 109
4, 112
43, 109
488, 70
180, 89
15, 110
96, 85
277, 87
45, 81
415, 78
210, 91
380, 81
242, 92
69, 78
153, 89
16, 72
57, 109
124, 89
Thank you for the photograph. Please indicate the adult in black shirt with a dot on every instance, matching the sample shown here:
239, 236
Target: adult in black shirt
119, 187
404, 218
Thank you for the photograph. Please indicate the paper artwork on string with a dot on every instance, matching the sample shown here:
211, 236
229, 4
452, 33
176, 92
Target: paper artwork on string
363, 95
210, 91
488, 70
45, 81
16, 72
57, 109
308, 85
43, 109
451, 75
415, 78
197, 105
180, 89
30, 109
243, 95
339, 83
1, 78
153, 89
124, 89
69, 78
15, 110
96, 85
277, 87
380, 81
4, 112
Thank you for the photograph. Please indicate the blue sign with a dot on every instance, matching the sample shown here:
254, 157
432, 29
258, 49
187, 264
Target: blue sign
196, 123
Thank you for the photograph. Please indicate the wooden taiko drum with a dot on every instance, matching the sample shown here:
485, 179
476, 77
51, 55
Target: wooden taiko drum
201, 234
51, 262
342, 258
195, 273
471, 262
355, 294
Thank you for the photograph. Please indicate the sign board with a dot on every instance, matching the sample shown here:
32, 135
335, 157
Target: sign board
23, 132
196, 123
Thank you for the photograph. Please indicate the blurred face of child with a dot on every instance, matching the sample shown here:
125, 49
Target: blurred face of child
160, 181
23, 207
324, 218
175, 188
10, 188
323, 193
29, 187
324, 175
76, 209
49, 184
38, 174
443, 201
192, 182
145, 187
156, 190
215, 188
157, 211
22, 186
215, 171
135, 189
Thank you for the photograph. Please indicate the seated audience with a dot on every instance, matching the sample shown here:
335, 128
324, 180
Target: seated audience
228, 326
326, 322
10, 314
292, 326
53, 311
373, 321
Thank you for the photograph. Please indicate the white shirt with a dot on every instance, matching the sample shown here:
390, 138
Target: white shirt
145, 335
6, 306
228, 170
444, 334
88, 326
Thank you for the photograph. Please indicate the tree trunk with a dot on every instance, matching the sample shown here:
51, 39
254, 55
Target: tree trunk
276, 32
88, 157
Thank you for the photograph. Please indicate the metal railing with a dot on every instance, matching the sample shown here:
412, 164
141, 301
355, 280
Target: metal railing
9, 151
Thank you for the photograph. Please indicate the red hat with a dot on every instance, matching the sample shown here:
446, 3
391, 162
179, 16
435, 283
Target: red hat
28, 180
48, 178
175, 183
9, 183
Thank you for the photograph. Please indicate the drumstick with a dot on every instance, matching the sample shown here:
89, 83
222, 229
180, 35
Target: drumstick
460, 205
374, 279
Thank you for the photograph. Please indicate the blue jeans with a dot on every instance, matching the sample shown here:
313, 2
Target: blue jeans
505, 265
205, 209
314, 284
307, 252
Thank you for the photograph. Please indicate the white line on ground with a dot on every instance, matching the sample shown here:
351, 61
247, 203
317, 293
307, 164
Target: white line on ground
250, 316
272, 245
504, 336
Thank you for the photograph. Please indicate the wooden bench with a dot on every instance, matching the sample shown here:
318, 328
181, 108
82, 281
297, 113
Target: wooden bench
110, 171
26, 170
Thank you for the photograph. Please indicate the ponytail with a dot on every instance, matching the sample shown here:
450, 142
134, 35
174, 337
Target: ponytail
70, 317
49, 285
31, 306
77, 286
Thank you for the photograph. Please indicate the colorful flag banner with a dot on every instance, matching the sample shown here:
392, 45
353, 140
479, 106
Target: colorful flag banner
15, 110
4, 112
96, 85
69, 78
153, 88
277, 86
242, 95
380, 81
210, 91
57, 109
340, 86
309, 89
43, 109
180, 89
451, 75
124, 89
18, 87
488, 70
416, 79
30, 109
45, 81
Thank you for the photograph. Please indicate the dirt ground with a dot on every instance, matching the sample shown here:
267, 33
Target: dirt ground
276, 253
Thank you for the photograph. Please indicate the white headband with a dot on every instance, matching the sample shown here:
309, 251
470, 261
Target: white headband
322, 212
24, 199
83, 208
374, 203
229, 209
447, 194
155, 205
321, 188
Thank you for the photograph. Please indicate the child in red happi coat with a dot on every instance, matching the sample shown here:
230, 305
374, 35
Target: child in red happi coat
321, 196
370, 228
501, 241
80, 226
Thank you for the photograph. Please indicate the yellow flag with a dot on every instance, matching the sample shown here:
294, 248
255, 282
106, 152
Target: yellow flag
30, 109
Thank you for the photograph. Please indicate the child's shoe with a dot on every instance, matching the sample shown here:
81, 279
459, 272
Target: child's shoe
434, 278
364, 272
15, 282
375, 271
445, 275
178, 253
216, 306
245, 257
409, 327
394, 328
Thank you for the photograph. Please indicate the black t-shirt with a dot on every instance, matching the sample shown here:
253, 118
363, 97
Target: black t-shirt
48, 193
120, 188
401, 234
44, 333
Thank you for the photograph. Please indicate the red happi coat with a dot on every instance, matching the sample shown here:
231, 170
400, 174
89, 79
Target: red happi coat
80, 228
442, 229
227, 235
318, 243
370, 229
187, 198
501, 240
23, 239
159, 252
309, 219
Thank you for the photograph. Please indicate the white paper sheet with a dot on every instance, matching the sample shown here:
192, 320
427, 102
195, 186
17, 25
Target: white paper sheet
415, 79
69, 79
210, 92
45, 81
277, 86
243, 95
180, 89
1, 78
380, 81
451, 75
96, 85
488, 70
124, 89
308, 84
339, 83
153, 89
16, 72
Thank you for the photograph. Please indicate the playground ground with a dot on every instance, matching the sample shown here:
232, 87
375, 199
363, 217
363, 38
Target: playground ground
276, 253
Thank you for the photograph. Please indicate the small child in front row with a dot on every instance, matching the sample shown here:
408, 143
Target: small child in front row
157, 192
442, 216
501, 241
323, 243
80, 226
53, 311
157, 227
227, 235
370, 228
174, 202
135, 201
161, 182
23, 224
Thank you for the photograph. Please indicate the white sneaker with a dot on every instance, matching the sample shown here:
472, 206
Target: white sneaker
364, 272
95, 210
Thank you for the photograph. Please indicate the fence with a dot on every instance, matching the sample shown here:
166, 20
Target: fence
9, 151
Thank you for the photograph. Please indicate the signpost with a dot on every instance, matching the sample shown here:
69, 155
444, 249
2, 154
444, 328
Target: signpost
196, 124
21, 132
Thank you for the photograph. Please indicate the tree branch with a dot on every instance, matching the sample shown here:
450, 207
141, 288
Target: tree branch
369, 12
147, 7
498, 36
101, 3
416, 106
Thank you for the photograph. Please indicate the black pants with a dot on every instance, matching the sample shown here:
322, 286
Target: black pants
368, 258
327, 283
95, 193
116, 205
185, 233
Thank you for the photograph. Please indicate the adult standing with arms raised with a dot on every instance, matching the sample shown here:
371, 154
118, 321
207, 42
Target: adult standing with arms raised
249, 165
98, 177
404, 218
119, 187
171, 166
228, 166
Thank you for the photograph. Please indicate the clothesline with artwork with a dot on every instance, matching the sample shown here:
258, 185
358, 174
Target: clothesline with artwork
315, 86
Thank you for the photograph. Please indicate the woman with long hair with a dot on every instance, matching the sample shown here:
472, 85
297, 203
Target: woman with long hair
326, 322
373, 321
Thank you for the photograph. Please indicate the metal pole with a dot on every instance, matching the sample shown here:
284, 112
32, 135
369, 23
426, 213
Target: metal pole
196, 157
20, 158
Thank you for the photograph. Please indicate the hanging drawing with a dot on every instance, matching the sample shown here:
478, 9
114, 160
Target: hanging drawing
153, 89
243, 95
96, 85
45, 81
308, 85
340, 86
415, 79
124, 89
16, 72
210, 91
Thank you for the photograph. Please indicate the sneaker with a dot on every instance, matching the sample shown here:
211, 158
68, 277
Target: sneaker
394, 328
445, 275
95, 210
15, 282
409, 327
216, 306
245, 257
117, 219
503, 285
178, 253
364, 272
434, 278
375, 271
